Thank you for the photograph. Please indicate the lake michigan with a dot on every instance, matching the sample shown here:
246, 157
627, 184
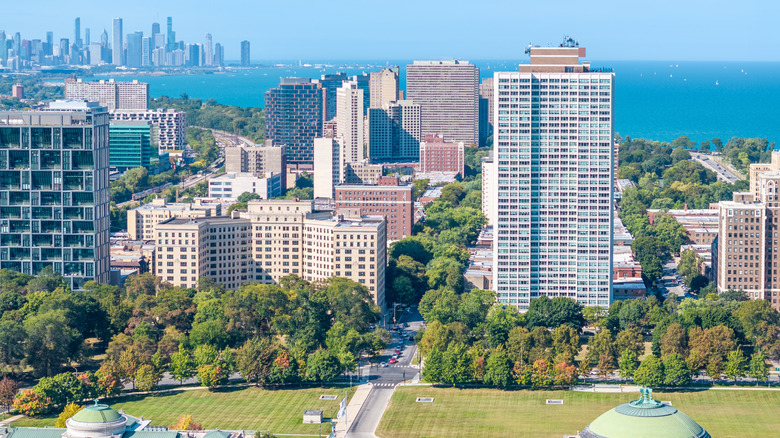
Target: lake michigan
653, 99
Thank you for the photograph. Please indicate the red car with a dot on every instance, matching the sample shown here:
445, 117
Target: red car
392, 361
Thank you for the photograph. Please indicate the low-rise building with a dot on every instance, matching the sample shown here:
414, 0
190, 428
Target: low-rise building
388, 199
232, 185
479, 273
141, 220
132, 144
701, 225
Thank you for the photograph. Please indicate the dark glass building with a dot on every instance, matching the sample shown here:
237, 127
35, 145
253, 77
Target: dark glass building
293, 117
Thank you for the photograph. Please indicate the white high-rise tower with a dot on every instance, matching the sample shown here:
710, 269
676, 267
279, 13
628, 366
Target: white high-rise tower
349, 121
552, 179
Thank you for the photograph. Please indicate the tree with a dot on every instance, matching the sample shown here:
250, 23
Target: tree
456, 364
185, 422
8, 390
758, 367
735, 365
593, 314
247, 196
254, 360
70, 410
498, 371
12, 339
630, 339
433, 371
32, 403
627, 364
650, 372
182, 365
551, 313
674, 340
50, 342
147, 377
606, 365
676, 372
322, 366
566, 343
212, 375
601, 344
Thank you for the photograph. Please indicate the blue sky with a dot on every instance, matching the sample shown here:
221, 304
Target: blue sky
489, 29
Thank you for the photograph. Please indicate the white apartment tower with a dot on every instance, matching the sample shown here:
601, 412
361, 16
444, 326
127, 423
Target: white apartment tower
552, 179
395, 132
383, 86
349, 121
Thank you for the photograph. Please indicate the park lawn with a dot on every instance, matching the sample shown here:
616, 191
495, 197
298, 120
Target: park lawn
280, 411
495, 413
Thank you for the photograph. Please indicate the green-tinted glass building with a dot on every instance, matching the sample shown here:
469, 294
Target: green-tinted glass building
132, 144
54, 193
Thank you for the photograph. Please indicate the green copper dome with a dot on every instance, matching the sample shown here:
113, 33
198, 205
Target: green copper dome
96, 413
644, 418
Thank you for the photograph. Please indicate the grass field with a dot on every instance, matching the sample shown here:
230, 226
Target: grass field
494, 413
280, 411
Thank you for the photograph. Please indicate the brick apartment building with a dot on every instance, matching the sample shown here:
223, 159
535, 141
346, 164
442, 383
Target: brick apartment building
440, 155
387, 198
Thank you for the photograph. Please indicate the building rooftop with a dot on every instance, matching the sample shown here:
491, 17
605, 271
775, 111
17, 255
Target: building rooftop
449, 62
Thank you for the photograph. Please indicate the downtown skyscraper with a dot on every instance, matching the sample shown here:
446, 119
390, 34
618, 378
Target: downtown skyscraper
552, 179
117, 47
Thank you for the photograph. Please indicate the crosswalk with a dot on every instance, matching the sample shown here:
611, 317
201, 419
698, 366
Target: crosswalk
385, 385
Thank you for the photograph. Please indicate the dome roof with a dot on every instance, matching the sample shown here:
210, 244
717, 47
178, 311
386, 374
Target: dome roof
644, 418
97, 413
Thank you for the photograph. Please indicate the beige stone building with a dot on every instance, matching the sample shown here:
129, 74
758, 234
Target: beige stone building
271, 240
141, 220
383, 86
258, 160
215, 247
745, 256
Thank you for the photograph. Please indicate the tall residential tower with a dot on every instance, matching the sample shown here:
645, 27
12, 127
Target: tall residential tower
552, 179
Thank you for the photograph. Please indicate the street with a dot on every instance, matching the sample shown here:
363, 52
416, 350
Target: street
385, 379
710, 163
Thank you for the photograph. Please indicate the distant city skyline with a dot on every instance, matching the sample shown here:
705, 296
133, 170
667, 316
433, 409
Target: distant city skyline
496, 29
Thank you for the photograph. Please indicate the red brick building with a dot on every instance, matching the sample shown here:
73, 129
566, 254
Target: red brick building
387, 198
438, 155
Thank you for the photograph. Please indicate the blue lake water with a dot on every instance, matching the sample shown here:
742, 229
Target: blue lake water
653, 99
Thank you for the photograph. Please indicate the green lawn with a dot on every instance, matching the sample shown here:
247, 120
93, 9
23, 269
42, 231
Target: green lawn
280, 411
494, 413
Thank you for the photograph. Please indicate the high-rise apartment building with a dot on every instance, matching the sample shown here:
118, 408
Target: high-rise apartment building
349, 121
448, 95
388, 198
142, 220
147, 46
293, 117
552, 180
383, 86
395, 132
245, 61
54, 191
219, 55
327, 166
117, 47
208, 51
745, 256
3, 46
258, 160
111, 94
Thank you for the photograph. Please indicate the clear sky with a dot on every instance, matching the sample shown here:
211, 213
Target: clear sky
334, 30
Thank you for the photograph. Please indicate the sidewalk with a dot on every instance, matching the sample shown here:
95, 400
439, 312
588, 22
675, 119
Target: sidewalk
8, 420
353, 408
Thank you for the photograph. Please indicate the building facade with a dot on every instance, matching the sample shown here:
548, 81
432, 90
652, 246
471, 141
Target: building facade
440, 155
388, 199
218, 248
327, 167
245, 56
117, 46
383, 86
488, 193
552, 180
293, 117
485, 110
258, 160
448, 95
141, 220
233, 185
54, 191
395, 132
132, 144
171, 125
349, 121
111, 94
